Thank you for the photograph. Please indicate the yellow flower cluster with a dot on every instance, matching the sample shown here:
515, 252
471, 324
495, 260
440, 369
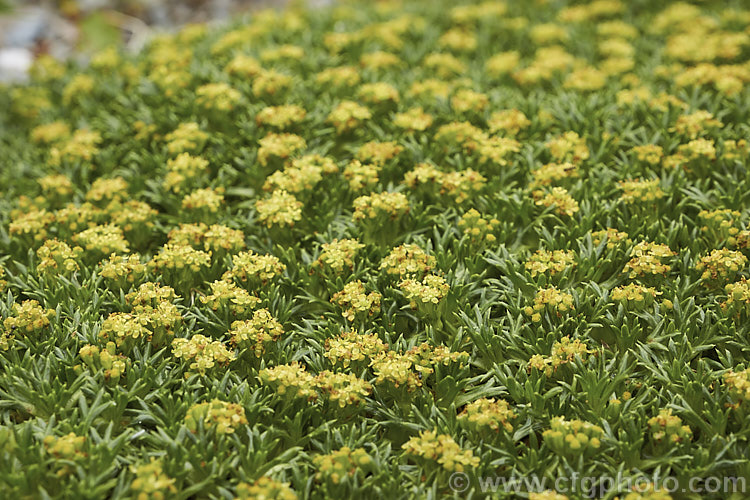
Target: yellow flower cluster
101, 241
82, 146
280, 117
216, 414
184, 170
356, 302
413, 120
408, 260
278, 147
106, 359
568, 147
341, 464
440, 448
292, 380
379, 153
563, 352
186, 138
216, 239
343, 389
352, 348
553, 173
550, 299
641, 191
648, 258
70, 447
426, 294
667, 430
720, 225
508, 121
217, 97
361, 176
695, 124
265, 488
488, 413
280, 209
555, 261
634, 296
721, 265
337, 255
253, 334
300, 174
27, 319
648, 153
559, 198
612, 236
253, 270
151, 482
381, 206
230, 299
57, 258
738, 298
573, 438
478, 229
738, 384
348, 115
202, 353
204, 200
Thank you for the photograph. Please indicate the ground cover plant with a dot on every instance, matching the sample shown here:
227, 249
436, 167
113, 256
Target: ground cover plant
383, 249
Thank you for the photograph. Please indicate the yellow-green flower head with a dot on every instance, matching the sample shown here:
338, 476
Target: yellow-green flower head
378, 93
379, 153
83, 146
348, 115
252, 269
279, 147
72, 218
408, 260
186, 138
150, 295
429, 290
151, 482
361, 176
3, 283
343, 389
738, 384
279, 209
102, 240
634, 191
50, 133
612, 236
387, 206
173, 257
568, 147
58, 258
555, 261
553, 173
502, 63
648, 153
425, 356
352, 347
203, 353
563, 352
46, 69
559, 198
634, 296
280, 117
697, 149
34, 224
479, 229
207, 200
183, 170
291, 379
469, 101
338, 255
462, 185
217, 97
458, 40
104, 190
721, 265
667, 430
255, 333
398, 370
648, 258
573, 438
125, 329
377, 60
461, 134
216, 414
300, 175
413, 119
108, 360
430, 89
226, 296
473, 13
441, 448
69, 447
27, 319
585, 79
341, 464
287, 51
696, 124
265, 488
132, 215
721, 224
488, 413
444, 65
338, 77
552, 300
269, 83
356, 302
79, 86
508, 121
738, 298
590, 11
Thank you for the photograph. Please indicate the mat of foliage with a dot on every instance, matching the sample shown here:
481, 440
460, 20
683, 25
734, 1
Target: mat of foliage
350, 252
